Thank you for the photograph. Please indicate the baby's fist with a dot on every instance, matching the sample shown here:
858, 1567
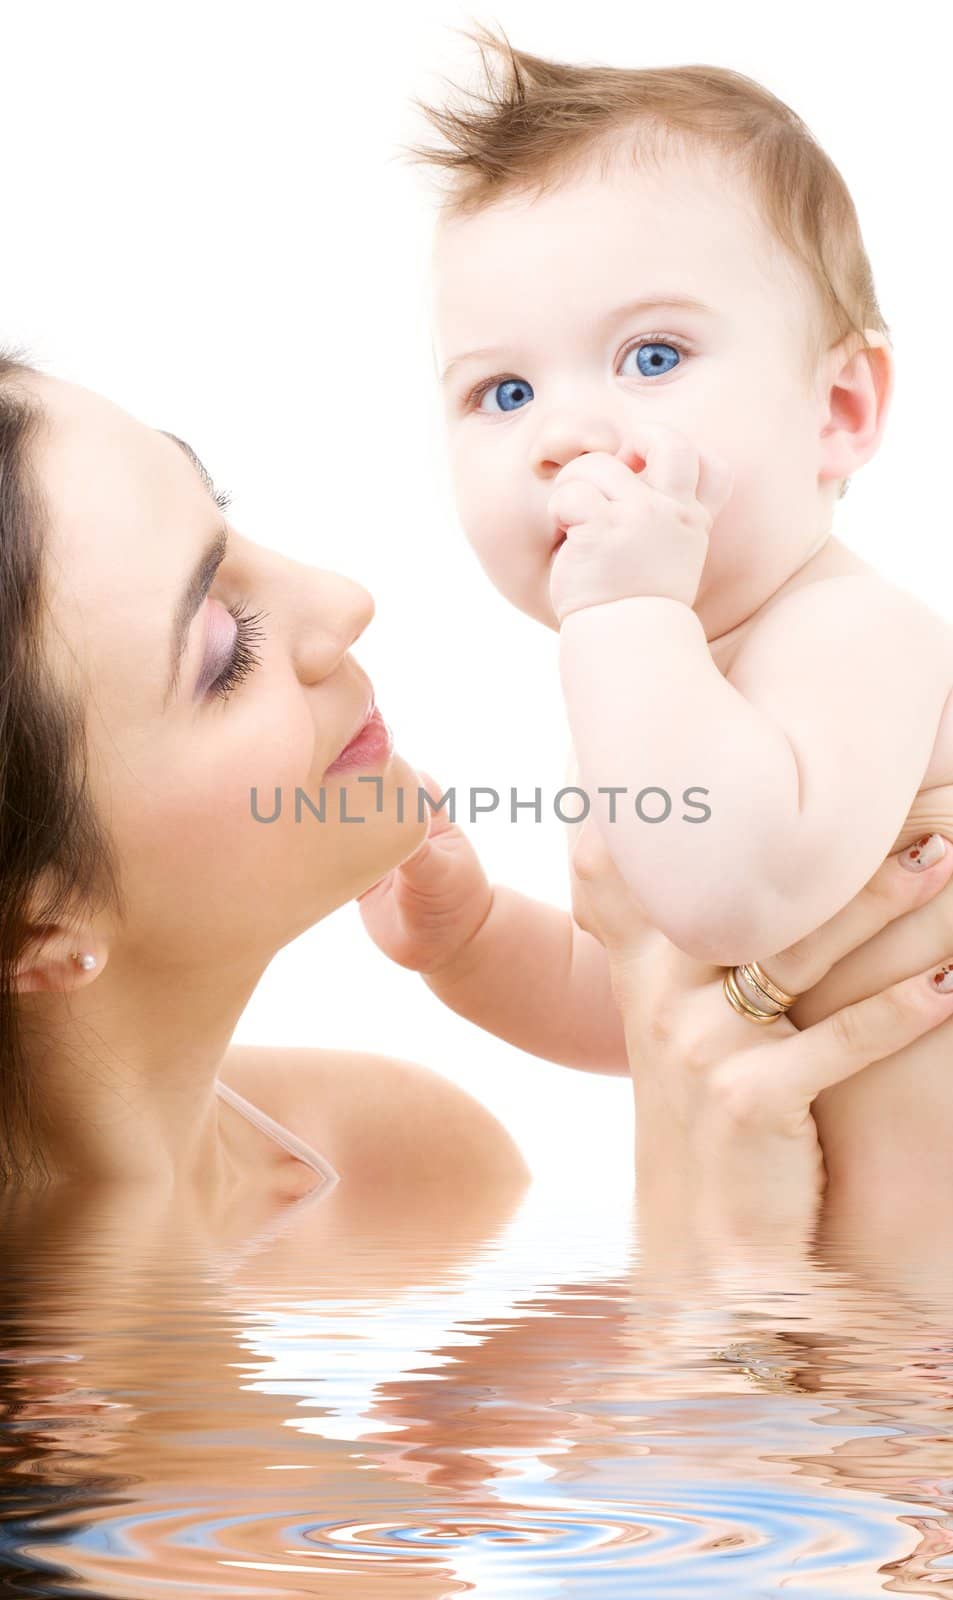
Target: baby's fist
425, 911
634, 533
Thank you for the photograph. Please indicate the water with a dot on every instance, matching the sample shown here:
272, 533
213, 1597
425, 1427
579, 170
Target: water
508, 1402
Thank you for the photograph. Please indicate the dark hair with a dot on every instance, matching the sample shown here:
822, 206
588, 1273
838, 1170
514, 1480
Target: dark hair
56, 858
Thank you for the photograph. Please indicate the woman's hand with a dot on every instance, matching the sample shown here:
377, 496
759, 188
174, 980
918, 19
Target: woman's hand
424, 912
725, 1137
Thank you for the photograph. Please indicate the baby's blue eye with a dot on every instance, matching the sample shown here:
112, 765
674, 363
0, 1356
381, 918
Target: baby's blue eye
654, 362
512, 392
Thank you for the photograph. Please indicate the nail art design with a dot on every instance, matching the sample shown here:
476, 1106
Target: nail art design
943, 980
924, 852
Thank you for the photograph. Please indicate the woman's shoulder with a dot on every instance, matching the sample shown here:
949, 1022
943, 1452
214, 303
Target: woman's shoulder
378, 1117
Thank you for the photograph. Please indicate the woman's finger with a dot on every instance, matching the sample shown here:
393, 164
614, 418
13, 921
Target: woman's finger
835, 1048
902, 882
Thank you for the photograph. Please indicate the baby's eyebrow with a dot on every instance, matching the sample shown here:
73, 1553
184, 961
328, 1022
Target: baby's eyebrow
468, 355
652, 302
668, 302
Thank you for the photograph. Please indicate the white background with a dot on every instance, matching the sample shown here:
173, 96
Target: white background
204, 217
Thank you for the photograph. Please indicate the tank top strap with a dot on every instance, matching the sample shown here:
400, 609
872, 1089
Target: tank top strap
283, 1136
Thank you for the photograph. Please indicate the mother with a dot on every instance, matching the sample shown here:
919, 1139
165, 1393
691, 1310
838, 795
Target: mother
141, 701
140, 900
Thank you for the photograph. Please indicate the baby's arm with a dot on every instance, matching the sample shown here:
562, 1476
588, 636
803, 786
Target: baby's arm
533, 977
514, 966
809, 757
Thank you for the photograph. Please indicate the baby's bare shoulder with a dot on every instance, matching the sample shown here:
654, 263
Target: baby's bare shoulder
897, 650
845, 624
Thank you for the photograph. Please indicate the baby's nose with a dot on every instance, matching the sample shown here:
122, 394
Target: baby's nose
563, 438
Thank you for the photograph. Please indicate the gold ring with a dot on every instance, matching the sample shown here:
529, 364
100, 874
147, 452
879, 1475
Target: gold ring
746, 1007
757, 975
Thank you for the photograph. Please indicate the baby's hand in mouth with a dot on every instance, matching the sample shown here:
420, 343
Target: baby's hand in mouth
622, 533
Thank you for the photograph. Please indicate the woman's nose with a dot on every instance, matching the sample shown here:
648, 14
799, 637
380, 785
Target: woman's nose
563, 436
333, 611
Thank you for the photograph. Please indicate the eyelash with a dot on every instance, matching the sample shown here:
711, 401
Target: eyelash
245, 658
476, 395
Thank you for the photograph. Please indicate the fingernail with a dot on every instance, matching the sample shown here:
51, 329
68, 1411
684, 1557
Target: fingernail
943, 979
924, 852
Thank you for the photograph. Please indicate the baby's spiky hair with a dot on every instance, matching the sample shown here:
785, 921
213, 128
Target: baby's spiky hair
540, 121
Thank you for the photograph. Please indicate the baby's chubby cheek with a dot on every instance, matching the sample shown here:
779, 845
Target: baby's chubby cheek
514, 567
512, 559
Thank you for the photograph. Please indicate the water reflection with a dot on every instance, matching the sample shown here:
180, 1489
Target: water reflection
500, 1403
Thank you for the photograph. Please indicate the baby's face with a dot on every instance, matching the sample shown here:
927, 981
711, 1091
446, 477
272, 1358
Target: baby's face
544, 354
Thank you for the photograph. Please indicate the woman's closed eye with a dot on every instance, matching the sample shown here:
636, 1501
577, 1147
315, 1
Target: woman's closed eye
501, 395
244, 656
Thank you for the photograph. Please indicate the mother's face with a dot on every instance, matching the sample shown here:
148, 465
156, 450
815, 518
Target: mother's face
173, 759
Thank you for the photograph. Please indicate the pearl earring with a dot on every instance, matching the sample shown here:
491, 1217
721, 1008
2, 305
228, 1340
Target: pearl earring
86, 961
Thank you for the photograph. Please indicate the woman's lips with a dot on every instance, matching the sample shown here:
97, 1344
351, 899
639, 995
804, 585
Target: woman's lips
371, 746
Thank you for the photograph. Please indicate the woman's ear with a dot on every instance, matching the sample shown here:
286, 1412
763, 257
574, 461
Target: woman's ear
856, 387
59, 959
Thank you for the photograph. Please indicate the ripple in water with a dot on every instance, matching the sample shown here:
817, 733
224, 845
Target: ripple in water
524, 1420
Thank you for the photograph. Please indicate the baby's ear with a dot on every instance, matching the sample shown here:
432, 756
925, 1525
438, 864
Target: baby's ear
855, 397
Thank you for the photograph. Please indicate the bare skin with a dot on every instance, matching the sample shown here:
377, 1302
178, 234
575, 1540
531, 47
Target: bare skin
428, 1192
428, 1180
154, 1176
128, 1052
532, 308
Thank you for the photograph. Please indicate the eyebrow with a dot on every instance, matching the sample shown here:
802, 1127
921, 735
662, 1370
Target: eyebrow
199, 582
668, 302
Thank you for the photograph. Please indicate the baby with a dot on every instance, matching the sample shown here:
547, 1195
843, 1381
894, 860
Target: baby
662, 358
